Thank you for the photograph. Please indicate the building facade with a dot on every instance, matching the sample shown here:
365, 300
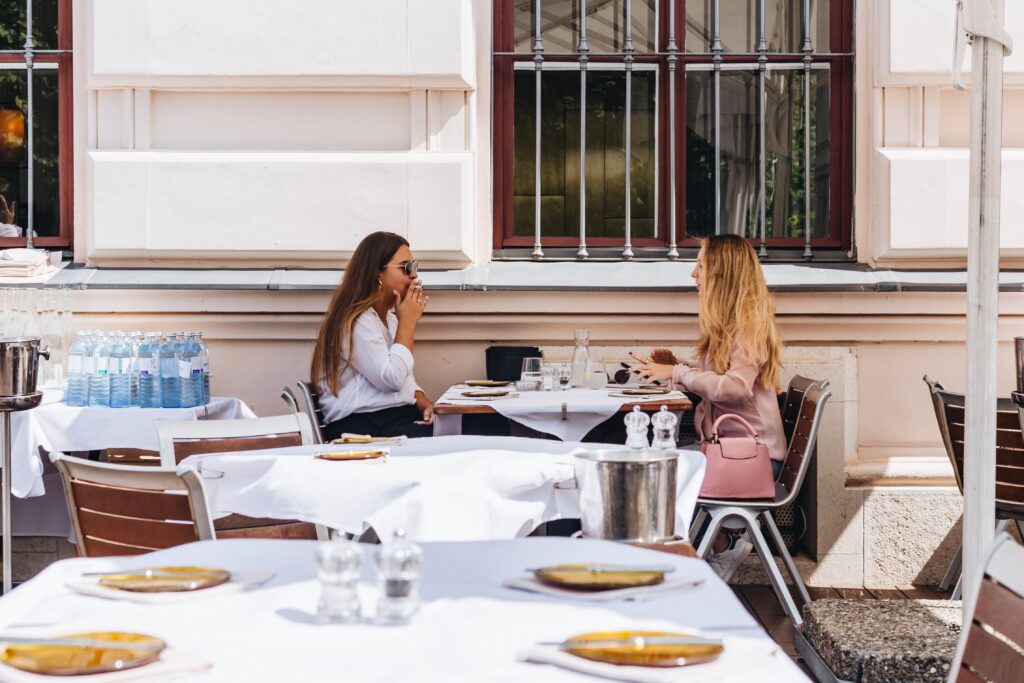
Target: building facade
217, 162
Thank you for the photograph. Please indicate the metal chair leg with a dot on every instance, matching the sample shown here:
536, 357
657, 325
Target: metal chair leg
958, 589
714, 526
772, 569
1020, 531
1001, 525
954, 569
787, 559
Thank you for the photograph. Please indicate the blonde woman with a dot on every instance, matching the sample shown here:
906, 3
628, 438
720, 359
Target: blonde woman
363, 362
736, 365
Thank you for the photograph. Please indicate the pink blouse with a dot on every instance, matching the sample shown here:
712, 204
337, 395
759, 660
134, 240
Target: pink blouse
737, 392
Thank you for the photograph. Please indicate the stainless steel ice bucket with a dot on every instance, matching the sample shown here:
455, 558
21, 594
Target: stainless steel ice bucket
628, 495
19, 365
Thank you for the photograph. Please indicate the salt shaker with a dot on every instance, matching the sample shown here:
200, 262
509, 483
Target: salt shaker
636, 428
339, 563
398, 571
664, 424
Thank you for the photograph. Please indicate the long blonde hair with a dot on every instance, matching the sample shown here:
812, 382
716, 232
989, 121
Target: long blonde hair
736, 309
358, 291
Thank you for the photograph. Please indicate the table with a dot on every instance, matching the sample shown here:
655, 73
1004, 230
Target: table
435, 489
470, 628
56, 426
568, 415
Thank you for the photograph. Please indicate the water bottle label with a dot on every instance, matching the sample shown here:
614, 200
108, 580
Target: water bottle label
197, 366
74, 365
206, 362
121, 366
88, 365
147, 366
101, 366
184, 368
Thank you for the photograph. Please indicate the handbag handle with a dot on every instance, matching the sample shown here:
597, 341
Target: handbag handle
731, 416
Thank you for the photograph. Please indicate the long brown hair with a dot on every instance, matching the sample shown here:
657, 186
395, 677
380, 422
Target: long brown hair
358, 291
736, 308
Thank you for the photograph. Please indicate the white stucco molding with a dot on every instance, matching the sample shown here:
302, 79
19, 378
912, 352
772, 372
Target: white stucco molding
263, 43
275, 205
921, 209
916, 42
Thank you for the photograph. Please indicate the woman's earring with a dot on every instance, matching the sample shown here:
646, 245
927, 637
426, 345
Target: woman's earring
380, 284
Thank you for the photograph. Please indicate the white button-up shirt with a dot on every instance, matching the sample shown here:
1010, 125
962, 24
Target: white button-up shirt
380, 374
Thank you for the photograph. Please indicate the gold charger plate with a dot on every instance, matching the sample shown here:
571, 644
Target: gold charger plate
352, 438
486, 383
352, 455
485, 393
641, 654
71, 660
645, 392
572, 576
166, 579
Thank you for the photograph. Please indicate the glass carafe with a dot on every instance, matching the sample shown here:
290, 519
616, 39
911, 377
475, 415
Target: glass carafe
580, 356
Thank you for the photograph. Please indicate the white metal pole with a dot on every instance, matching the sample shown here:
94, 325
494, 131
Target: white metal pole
982, 306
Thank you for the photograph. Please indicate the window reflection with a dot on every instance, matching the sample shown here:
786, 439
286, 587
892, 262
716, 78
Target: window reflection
606, 22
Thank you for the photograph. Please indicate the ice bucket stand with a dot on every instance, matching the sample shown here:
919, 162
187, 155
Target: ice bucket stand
8, 405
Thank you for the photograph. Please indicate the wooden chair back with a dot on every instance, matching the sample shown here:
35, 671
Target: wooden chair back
311, 398
790, 407
181, 438
805, 436
991, 646
130, 510
1009, 444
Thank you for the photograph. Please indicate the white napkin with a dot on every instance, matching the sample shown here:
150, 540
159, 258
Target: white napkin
240, 582
532, 585
744, 660
173, 664
23, 257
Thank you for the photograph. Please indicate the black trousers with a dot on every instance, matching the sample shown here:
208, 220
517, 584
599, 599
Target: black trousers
396, 421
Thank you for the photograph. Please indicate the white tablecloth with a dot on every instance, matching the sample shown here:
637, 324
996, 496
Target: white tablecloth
470, 628
542, 410
436, 489
56, 426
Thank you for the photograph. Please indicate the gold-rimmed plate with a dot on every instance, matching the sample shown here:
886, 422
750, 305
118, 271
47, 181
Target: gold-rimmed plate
363, 438
165, 579
114, 651
593, 577
642, 648
346, 456
652, 391
485, 393
486, 383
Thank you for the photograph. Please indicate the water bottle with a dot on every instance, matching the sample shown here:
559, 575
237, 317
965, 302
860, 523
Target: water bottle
149, 371
99, 381
134, 342
78, 375
204, 355
170, 382
190, 370
120, 371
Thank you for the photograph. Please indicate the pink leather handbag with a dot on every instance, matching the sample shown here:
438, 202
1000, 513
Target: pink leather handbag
737, 467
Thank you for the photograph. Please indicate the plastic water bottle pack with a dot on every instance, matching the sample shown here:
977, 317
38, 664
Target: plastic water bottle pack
116, 370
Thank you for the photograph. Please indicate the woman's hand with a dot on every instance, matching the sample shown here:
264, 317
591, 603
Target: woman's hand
426, 407
651, 371
410, 308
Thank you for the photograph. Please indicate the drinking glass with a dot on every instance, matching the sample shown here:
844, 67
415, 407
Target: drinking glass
594, 375
564, 373
547, 377
532, 369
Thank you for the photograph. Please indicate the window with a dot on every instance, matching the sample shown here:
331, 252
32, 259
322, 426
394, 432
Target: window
35, 123
710, 116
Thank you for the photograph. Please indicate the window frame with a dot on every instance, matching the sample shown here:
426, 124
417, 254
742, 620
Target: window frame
840, 59
62, 57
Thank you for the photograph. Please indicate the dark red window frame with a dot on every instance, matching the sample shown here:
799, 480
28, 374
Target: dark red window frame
841, 129
65, 134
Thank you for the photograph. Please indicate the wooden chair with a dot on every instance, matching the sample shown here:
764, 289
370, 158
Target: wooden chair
311, 400
814, 395
991, 646
130, 510
949, 409
181, 439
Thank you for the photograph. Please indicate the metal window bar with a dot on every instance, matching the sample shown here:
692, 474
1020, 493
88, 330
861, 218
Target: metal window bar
583, 48
673, 58
538, 60
716, 61
762, 62
808, 48
627, 48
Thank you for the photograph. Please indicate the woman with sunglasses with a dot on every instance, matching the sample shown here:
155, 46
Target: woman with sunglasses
363, 359
736, 365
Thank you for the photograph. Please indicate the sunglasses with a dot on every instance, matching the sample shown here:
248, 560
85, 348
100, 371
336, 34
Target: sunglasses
410, 268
